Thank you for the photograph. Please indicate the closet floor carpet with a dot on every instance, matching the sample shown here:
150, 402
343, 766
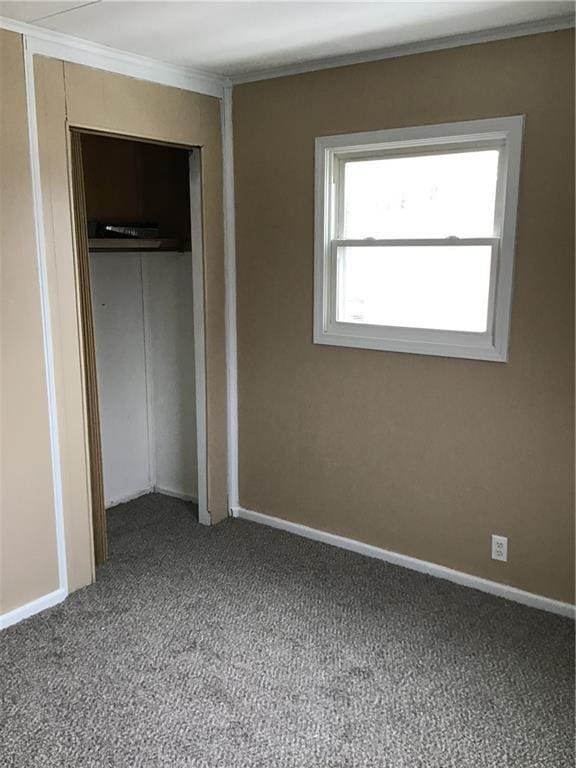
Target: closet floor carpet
241, 646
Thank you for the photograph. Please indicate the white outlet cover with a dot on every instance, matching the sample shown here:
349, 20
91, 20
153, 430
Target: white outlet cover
500, 548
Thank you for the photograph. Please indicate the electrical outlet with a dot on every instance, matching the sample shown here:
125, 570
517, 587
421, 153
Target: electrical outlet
499, 548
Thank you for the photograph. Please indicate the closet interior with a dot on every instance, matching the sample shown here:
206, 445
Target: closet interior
141, 279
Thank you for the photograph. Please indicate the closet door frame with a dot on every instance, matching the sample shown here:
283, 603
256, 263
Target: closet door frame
88, 350
197, 248
84, 300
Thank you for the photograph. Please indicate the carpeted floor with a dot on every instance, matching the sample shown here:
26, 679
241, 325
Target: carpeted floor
240, 646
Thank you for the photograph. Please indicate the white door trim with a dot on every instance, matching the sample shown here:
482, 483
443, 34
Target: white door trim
230, 298
47, 333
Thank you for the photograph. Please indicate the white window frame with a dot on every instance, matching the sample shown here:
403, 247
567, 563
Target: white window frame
504, 134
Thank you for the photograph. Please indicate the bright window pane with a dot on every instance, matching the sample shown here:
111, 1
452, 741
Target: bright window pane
437, 287
437, 195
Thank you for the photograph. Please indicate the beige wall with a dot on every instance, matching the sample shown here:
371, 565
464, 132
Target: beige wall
72, 95
28, 560
421, 455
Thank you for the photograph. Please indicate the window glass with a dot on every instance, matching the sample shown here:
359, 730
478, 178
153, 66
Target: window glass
421, 196
433, 287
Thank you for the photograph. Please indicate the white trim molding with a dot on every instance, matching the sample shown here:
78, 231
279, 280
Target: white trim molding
230, 297
147, 491
125, 498
502, 135
32, 608
413, 563
554, 24
55, 45
47, 333
69, 48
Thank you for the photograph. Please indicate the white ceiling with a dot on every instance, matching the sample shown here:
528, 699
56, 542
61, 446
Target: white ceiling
233, 38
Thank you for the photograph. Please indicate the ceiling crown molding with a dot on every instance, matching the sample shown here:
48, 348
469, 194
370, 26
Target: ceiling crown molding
554, 24
67, 48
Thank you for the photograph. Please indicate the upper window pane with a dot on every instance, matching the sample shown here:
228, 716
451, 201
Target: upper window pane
421, 196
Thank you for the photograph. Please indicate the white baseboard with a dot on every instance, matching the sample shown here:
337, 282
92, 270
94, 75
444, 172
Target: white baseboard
151, 489
175, 494
53, 598
129, 497
30, 609
432, 569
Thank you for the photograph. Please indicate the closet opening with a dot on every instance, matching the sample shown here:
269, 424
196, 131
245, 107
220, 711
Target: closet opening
138, 226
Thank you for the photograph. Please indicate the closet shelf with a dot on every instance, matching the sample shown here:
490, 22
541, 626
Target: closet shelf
126, 244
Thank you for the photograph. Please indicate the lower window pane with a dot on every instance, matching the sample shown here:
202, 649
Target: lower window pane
436, 287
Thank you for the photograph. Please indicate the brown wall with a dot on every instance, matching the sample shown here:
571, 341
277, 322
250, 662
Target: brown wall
420, 455
28, 561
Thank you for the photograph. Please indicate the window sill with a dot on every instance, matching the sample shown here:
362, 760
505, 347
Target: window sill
466, 346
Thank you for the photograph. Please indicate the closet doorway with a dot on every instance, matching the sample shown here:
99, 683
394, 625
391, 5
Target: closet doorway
138, 226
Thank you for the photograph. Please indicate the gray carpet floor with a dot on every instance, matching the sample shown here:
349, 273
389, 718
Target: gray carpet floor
240, 646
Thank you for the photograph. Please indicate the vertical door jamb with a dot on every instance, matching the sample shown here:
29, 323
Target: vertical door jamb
197, 246
89, 352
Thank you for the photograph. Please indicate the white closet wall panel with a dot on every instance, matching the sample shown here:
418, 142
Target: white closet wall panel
144, 334
170, 341
121, 366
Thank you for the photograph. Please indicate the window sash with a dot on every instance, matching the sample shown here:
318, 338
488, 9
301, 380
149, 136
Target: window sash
339, 159
393, 333
414, 241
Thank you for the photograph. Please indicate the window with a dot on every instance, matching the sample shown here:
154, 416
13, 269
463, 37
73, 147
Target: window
415, 234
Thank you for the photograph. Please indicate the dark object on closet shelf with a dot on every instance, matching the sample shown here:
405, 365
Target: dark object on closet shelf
126, 230
135, 231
